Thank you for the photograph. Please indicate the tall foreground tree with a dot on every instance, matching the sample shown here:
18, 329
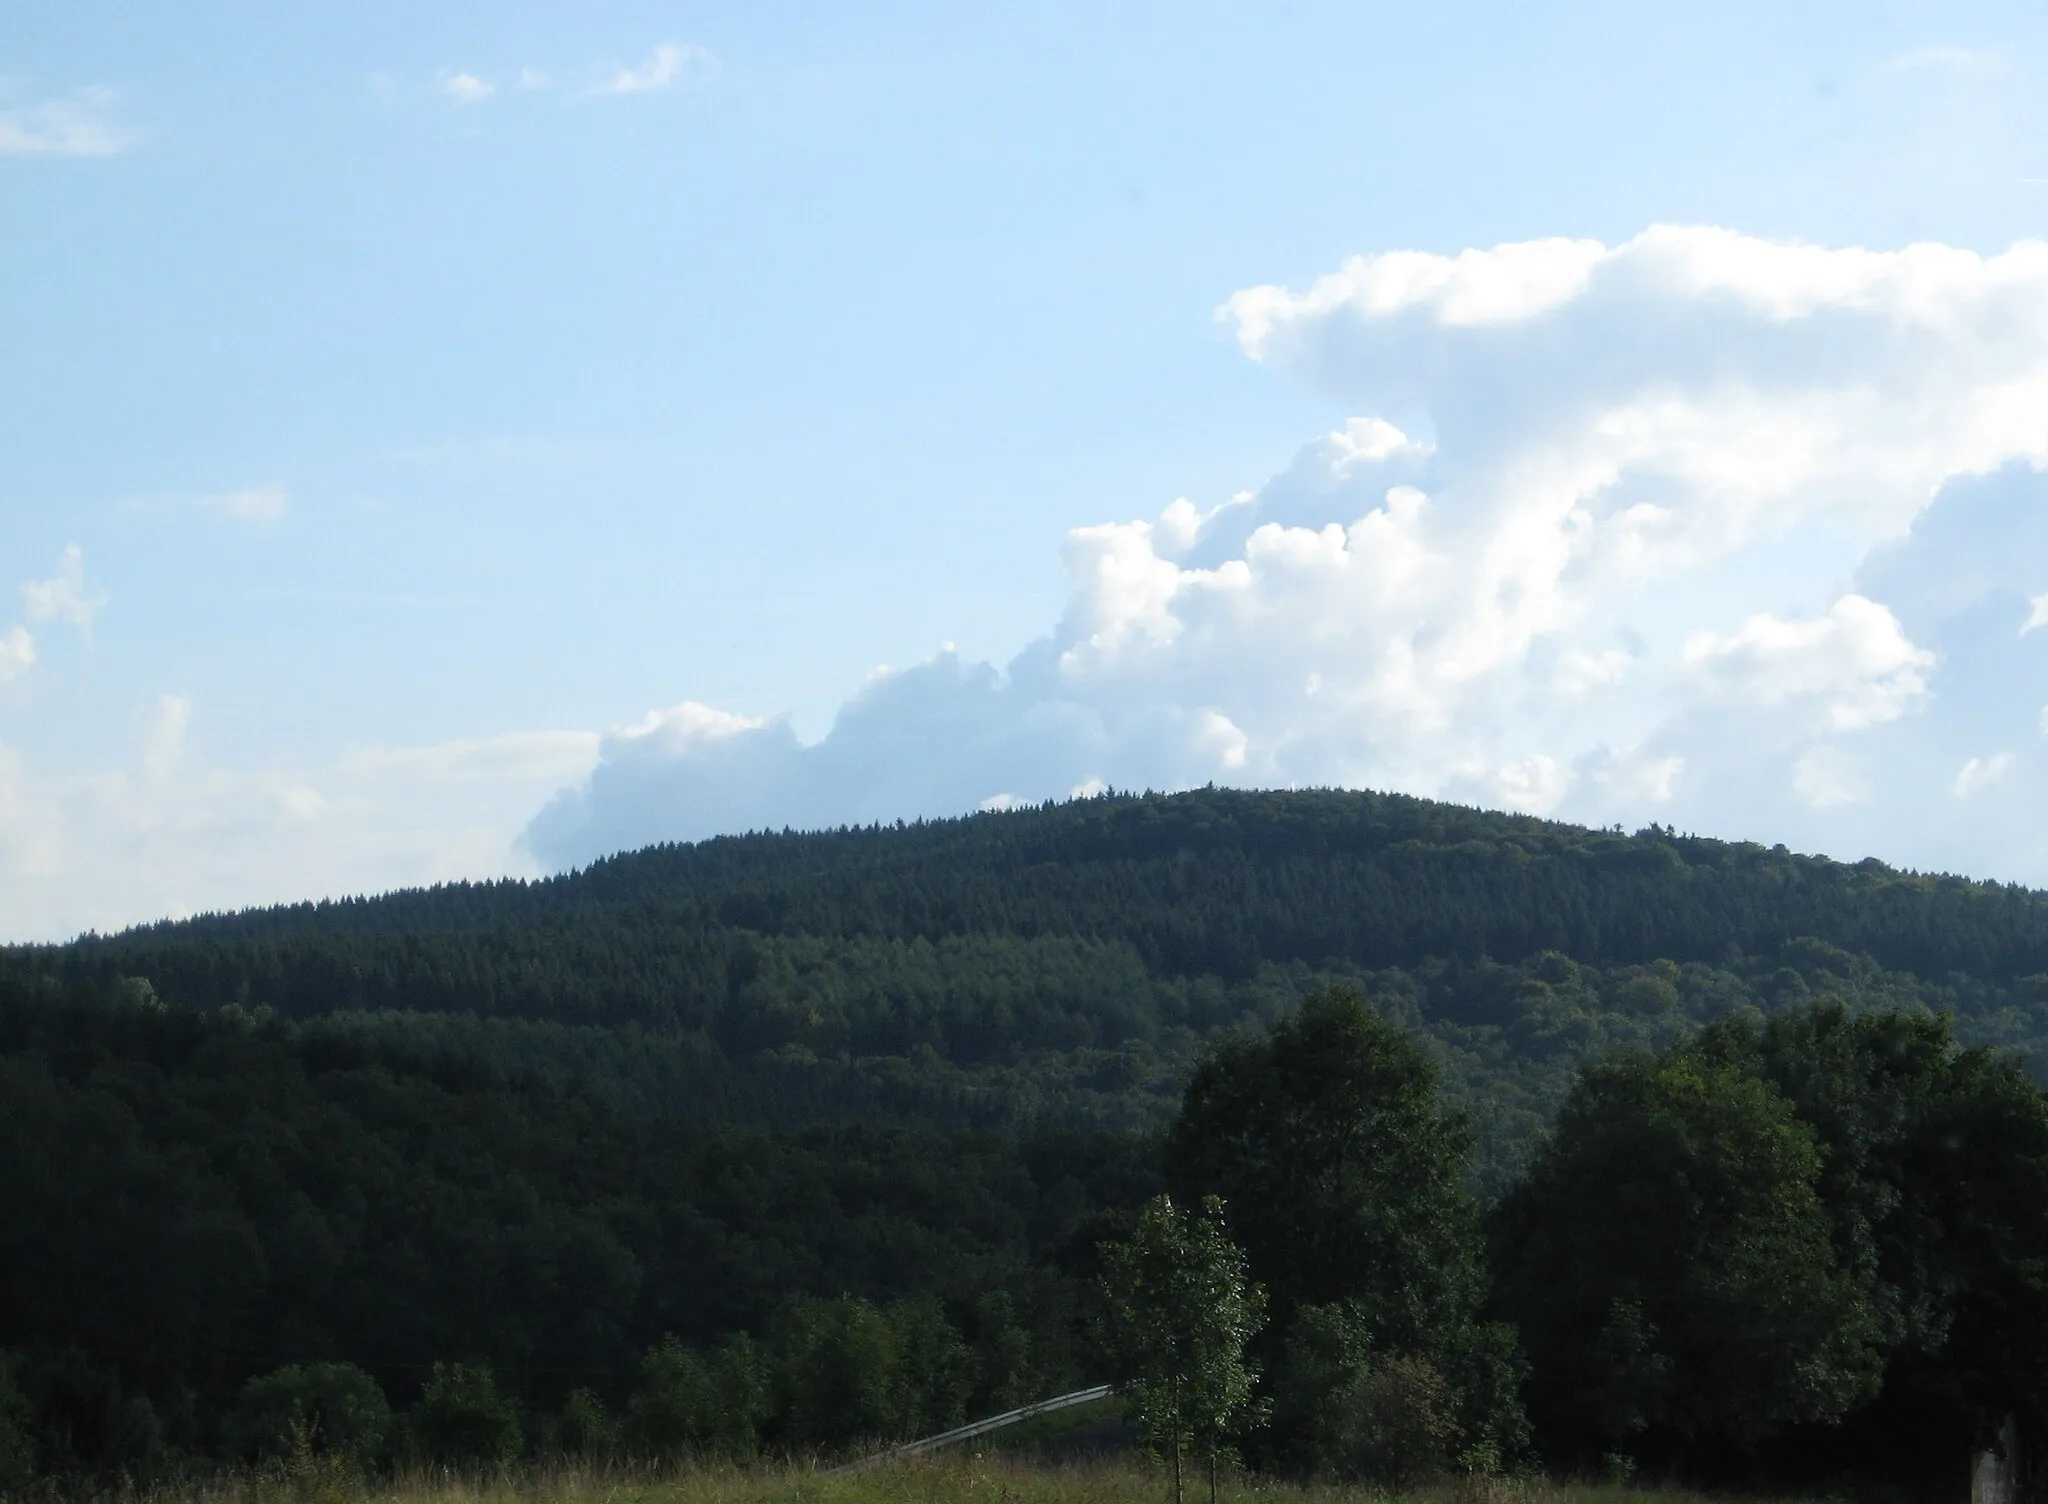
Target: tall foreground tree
1181, 1312
1936, 1177
1816, 1246
1341, 1172
1670, 1263
1343, 1178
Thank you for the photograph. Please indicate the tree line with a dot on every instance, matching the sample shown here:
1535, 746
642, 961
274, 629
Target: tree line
1801, 1253
1792, 1251
1688, 1155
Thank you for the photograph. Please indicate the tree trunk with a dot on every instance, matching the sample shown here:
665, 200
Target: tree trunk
1178, 1498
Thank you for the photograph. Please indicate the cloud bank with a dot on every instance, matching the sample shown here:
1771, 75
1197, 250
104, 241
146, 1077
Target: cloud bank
157, 830
165, 834
1700, 528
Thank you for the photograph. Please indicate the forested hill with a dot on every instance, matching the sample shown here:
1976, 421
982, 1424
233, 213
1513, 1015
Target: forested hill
1215, 881
1070, 960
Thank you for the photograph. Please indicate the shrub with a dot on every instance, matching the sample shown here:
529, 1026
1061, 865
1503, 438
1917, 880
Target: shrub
17, 1441
585, 1428
688, 1404
331, 1409
462, 1420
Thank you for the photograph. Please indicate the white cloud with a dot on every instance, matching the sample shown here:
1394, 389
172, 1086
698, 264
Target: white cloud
463, 88
1980, 773
254, 506
64, 596
1719, 529
17, 653
1855, 663
163, 737
1828, 778
81, 125
259, 506
1947, 58
668, 65
1632, 779
1737, 535
165, 834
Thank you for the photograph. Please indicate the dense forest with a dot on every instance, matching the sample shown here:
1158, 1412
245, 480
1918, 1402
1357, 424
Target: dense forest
838, 1123
1066, 966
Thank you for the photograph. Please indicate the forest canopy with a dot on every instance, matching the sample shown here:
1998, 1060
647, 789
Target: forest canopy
789, 1140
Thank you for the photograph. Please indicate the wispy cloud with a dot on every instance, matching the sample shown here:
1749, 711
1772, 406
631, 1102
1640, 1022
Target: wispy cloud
17, 653
259, 506
79, 125
64, 596
1948, 58
254, 506
463, 88
668, 65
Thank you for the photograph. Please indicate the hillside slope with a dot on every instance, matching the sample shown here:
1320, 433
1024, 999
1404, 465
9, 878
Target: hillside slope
1066, 964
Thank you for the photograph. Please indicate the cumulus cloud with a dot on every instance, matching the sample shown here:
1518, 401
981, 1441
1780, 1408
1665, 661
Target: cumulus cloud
160, 831
79, 125
668, 65
1855, 664
1699, 527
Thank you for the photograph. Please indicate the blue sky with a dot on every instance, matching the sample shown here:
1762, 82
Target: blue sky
429, 394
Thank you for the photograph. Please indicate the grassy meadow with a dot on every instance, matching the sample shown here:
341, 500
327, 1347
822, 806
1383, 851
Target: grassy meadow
965, 1479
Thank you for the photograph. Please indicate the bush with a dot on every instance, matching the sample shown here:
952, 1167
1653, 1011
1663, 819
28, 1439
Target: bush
331, 1409
17, 1440
585, 1428
1394, 1424
851, 1371
462, 1420
687, 1404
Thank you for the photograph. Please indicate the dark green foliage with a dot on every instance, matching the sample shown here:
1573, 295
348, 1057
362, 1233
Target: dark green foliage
852, 1371
1207, 883
1342, 1175
585, 1428
1345, 1181
309, 1198
1392, 1421
1936, 1176
1670, 1264
1070, 964
324, 1408
696, 1091
688, 1405
462, 1420
17, 1438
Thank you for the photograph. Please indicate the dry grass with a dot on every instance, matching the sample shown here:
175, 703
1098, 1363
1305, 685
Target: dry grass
953, 1480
